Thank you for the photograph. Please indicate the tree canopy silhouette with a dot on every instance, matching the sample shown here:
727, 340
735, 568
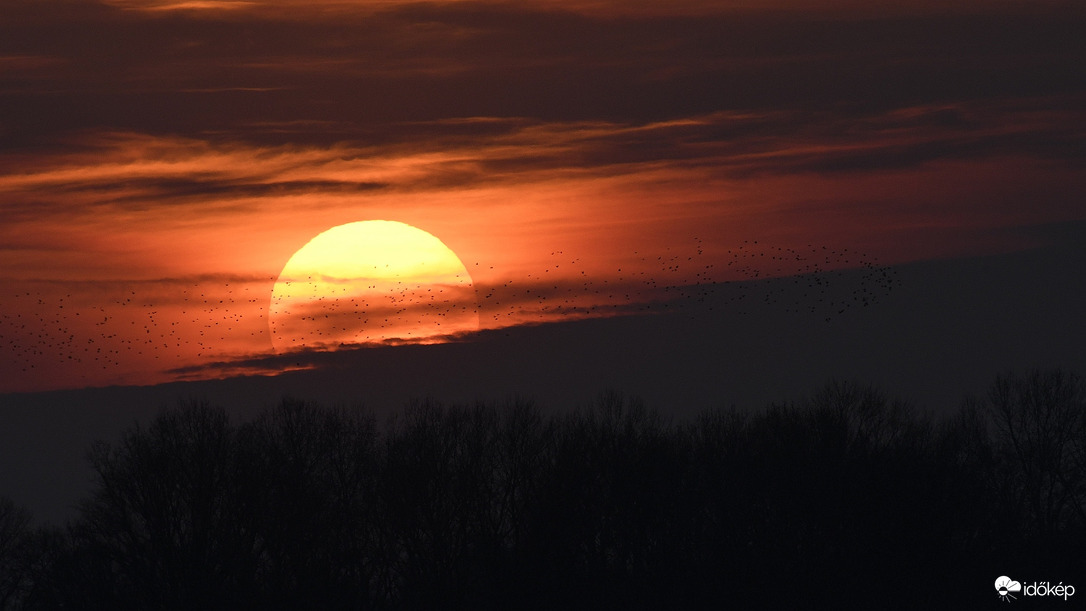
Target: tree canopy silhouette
613, 506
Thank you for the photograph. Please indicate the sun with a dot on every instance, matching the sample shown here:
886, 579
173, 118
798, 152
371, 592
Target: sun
371, 282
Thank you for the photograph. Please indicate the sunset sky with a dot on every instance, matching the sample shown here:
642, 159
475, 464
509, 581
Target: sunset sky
160, 161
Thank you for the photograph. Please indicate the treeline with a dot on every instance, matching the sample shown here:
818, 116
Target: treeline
847, 499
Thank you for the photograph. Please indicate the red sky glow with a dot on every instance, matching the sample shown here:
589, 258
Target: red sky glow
161, 161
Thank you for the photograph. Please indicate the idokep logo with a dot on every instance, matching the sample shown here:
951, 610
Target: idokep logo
1006, 588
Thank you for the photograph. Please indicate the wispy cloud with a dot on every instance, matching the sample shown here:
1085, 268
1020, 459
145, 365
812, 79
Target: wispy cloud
22, 63
158, 182
642, 8
124, 70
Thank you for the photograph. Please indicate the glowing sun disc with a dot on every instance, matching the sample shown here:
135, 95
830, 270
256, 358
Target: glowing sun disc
371, 282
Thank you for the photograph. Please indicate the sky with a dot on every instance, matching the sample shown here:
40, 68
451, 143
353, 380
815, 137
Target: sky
161, 161
699, 203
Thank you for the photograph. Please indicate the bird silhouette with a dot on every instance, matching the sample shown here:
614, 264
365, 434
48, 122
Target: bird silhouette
137, 324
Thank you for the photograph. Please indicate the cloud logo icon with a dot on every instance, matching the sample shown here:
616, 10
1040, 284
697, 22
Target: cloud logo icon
1005, 586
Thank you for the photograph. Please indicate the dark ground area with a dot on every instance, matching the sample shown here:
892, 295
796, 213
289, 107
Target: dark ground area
848, 499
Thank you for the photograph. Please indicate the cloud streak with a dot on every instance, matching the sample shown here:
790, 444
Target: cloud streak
125, 70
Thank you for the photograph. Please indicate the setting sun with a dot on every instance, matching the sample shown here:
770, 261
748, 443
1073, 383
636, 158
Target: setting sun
371, 282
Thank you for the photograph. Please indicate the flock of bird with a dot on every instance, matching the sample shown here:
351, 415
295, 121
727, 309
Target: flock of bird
814, 280
314, 313
43, 329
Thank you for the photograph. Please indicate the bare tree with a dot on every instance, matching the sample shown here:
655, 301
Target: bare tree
168, 522
314, 511
493, 506
14, 538
1040, 426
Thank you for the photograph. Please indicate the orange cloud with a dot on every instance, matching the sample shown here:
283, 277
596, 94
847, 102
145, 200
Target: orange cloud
640, 8
130, 256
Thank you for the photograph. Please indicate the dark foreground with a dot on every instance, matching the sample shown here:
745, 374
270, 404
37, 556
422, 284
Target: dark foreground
848, 500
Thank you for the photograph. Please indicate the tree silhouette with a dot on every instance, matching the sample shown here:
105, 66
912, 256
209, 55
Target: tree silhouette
167, 524
314, 505
846, 494
600, 521
457, 487
15, 532
1040, 437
